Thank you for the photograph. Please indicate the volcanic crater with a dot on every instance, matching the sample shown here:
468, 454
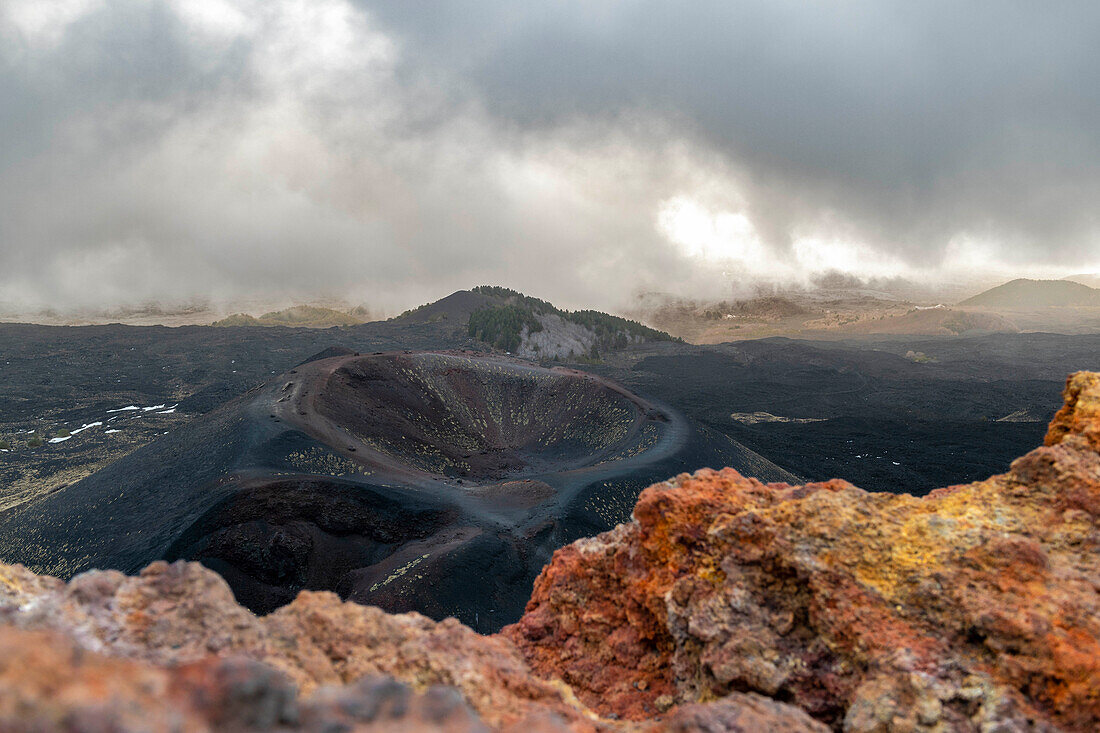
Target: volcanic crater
440, 415
438, 482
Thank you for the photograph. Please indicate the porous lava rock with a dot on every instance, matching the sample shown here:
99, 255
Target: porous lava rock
976, 607
726, 604
170, 649
48, 683
182, 613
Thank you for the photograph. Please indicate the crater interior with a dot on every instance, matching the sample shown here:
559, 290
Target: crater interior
483, 420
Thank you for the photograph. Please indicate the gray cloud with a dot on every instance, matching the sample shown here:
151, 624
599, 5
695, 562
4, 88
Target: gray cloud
390, 152
912, 120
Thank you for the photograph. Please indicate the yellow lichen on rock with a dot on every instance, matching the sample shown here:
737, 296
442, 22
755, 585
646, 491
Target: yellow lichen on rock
1080, 415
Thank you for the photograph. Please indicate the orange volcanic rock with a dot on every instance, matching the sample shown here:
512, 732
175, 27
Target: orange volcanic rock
183, 613
170, 647
48, 683
1080, 415
976, 607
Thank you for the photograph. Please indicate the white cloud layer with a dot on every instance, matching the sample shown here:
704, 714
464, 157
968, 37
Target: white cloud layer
296, 149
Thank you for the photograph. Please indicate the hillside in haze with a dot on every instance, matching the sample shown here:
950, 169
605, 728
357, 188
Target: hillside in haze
1023, 293
1090, 279
818, 313
309, 316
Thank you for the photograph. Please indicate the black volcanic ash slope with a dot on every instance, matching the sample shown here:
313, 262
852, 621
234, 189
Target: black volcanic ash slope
437, 482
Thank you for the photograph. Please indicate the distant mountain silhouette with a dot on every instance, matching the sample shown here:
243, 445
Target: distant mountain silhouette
1023, 293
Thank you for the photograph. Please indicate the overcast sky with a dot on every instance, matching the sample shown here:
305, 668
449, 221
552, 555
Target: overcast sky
393, 152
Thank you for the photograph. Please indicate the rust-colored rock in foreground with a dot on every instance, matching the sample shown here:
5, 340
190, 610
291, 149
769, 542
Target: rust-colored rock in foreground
727, 605
974, 608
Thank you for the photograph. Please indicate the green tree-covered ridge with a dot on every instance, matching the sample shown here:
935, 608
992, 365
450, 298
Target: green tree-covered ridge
502, 325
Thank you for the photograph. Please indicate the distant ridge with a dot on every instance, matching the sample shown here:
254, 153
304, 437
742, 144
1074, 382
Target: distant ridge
1023, 293
934, 321
1092, 280
307, 316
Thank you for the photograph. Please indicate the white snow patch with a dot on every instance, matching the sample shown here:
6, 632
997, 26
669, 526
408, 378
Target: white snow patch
86, 426
165, 412
128, 408
108, 432
154, 407
60, 440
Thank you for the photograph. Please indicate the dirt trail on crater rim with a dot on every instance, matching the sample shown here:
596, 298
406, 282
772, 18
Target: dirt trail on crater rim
725, 604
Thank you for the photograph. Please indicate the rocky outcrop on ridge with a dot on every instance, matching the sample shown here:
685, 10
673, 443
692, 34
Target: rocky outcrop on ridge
726, 604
